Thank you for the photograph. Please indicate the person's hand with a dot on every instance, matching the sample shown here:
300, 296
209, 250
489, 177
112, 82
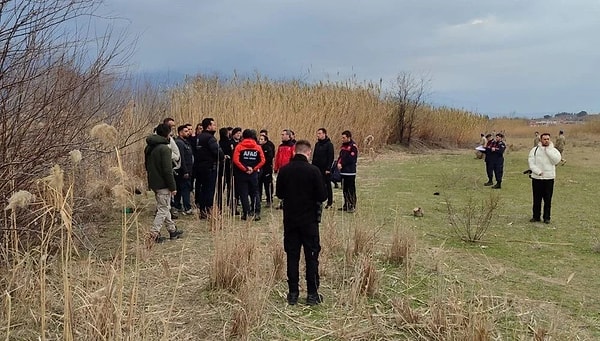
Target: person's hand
327, 172
249, 170
186, 176
173, 193
339, 166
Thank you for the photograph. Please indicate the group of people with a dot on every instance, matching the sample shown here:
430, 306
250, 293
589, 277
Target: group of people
240, 165
542, 161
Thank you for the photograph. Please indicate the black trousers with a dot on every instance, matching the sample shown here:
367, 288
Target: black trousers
265, 180
206, 182
349, 190
328, 188
489, 170
542, 191
246, 189
293, 240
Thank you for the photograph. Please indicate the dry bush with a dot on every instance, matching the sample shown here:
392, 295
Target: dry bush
471, 222
403, 245
363, 240
365, 279
404, 314
232, 258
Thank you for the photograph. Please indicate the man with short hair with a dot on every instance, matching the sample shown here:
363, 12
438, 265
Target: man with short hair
323, 156
346, 163
159, 166
183, 176
248, 159
542, 161
300, 186
207, 157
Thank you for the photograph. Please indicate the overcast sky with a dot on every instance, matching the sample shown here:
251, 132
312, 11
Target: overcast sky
494, 57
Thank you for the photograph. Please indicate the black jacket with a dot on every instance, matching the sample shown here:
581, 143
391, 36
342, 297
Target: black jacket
187, 157
323, 155
207, 151
300, 186
269, 151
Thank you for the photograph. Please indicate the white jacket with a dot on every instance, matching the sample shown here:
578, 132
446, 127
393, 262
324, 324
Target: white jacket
542, 162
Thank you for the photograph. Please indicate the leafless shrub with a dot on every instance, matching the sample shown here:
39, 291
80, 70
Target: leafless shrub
472, 221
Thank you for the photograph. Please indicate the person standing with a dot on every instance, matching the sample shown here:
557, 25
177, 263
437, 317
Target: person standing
300, 186
323, 156
284, 154
208, 156
248, 159
494, 154
159, 167
560, 144
183, 176
536, 139
542, 161
346, 163
265, 178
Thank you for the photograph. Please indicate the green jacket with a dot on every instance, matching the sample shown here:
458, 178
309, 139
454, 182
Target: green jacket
159, 165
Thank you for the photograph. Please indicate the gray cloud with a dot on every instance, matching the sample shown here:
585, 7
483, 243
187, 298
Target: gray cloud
491, 56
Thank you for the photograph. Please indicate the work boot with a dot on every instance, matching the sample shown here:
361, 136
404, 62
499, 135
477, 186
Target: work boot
292, 298
155, 237
175, 234
497, 186
489, 183
314, 299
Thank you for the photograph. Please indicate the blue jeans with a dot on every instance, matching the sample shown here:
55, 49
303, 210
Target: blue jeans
184, 188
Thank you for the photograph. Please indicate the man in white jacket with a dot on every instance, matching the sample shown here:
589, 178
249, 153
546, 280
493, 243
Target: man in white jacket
542, 161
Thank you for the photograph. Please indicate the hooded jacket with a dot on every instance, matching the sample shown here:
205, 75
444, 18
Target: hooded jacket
159, 164
542, 161
348, 158
323, 155
247, 154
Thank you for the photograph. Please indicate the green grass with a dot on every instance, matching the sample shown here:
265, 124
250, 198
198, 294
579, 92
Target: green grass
529, 264
510, 285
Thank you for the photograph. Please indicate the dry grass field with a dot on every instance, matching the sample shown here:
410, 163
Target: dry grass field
385, 273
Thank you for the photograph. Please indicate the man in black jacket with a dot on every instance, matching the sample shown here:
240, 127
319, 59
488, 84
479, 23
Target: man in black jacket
300, 186
323, 159
183, 176
208, 154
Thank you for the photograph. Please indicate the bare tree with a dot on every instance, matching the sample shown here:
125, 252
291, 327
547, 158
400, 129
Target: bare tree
408, 96
56, 80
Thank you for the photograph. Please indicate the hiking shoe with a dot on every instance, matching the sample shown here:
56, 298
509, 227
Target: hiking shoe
533, 220
156, 238
351, 210
292, 298
244, 217
497, 186
546, 221
314, 299
175, 234
489, 183
256, 217
188, 212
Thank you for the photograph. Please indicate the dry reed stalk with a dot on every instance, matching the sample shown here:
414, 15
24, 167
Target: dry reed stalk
403, 245
231, 260
363, 241
365, 279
